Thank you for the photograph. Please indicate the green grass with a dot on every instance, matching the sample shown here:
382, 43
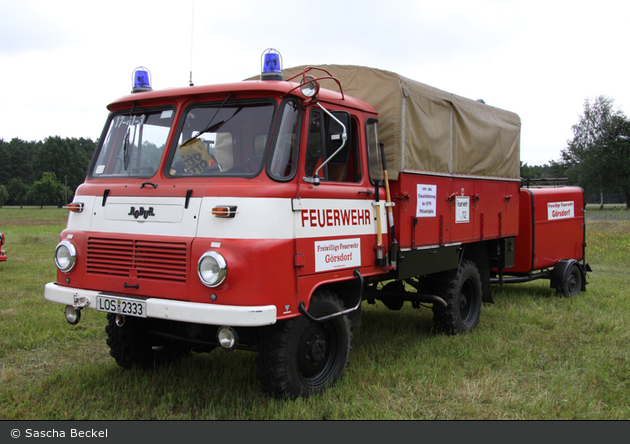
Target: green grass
535, 355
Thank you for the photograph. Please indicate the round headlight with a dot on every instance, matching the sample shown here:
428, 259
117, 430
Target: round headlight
309, 87
65, 256
212, 269
227, 337
73, 315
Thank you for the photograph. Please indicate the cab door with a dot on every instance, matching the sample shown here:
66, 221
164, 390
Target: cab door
334, 214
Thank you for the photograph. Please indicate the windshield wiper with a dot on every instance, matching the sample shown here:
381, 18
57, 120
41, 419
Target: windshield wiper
126, 150
214, 127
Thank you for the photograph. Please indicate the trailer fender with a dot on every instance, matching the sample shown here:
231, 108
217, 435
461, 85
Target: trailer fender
562, 271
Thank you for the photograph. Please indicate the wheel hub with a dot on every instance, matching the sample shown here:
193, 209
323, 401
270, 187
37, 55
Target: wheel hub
462, 301
572, 284
315, 349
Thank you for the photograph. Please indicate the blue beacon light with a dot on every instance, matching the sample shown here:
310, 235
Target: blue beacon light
141, 80
272, 65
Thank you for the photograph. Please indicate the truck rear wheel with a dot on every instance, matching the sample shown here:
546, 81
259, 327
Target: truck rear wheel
299, 358
133, 347
463, 298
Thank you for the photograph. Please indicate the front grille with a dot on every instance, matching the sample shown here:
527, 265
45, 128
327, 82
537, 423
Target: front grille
164, 261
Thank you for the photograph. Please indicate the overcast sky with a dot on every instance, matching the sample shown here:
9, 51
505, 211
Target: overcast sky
62, 61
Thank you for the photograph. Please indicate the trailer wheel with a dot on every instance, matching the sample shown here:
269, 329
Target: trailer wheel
572, 282
298, 358
463, 298
132, 347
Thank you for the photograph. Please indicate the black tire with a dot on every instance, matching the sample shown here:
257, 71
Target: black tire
463, 298
298, 358
132, 347
572, 283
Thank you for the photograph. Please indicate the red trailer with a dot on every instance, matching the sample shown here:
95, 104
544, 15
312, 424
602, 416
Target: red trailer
552, 239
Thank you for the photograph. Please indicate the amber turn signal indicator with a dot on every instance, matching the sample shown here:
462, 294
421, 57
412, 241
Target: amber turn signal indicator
75, 207
226, 211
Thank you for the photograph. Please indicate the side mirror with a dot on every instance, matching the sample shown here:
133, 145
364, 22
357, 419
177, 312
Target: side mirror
335, 138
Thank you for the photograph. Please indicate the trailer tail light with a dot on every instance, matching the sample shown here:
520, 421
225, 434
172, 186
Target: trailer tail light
75, 207
225, 211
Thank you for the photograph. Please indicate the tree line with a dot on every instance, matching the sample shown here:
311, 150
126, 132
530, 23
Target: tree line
597, 157
43, 172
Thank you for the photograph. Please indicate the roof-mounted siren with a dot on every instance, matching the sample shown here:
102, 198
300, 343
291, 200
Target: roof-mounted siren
141, 80
271, 65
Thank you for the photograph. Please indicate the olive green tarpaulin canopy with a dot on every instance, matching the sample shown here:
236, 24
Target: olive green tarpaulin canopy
429, 130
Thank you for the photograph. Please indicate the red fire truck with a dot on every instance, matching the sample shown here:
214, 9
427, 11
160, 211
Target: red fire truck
259, 215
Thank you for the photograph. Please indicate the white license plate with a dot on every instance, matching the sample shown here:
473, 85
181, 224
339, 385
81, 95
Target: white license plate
129, 307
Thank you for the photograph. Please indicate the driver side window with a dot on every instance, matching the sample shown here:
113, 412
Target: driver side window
324, 142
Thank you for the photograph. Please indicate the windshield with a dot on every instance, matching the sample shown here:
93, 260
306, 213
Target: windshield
134, 144
221, 139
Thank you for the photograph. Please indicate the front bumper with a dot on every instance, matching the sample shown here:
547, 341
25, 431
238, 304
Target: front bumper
210, 314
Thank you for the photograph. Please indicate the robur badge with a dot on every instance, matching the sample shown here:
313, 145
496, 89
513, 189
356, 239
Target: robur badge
141, 212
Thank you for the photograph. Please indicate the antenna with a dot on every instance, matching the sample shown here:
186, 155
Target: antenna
192, 24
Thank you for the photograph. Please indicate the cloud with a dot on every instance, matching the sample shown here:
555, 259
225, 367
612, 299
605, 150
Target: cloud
24, 28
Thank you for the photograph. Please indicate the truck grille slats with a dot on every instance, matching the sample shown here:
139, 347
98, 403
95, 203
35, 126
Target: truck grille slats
165, 261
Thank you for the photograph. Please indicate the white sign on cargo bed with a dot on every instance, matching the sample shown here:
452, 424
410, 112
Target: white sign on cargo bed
426, 200
462, 209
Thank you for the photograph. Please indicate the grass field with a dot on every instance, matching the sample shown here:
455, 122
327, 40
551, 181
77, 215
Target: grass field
535, 355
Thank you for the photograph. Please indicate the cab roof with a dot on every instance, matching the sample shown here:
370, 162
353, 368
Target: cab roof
241, 90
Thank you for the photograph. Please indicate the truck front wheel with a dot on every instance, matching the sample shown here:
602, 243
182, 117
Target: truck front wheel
462, 295
299, 358
131, 345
